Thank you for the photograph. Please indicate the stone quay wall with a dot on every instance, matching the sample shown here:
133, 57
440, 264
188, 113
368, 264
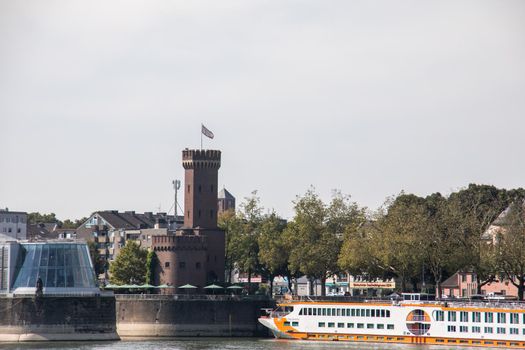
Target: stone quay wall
26, 318
189, 316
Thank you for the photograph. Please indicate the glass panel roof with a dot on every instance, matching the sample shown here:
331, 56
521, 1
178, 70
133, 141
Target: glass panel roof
59, 265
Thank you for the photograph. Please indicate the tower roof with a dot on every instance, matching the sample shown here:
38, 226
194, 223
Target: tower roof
224, 194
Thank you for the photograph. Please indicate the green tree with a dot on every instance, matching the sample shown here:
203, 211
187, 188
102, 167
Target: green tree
242, 231
273, 252
472, 210
151, 264
130, 265
36, 217
510, 247
70, 224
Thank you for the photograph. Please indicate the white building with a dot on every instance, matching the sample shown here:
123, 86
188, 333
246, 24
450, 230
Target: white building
13, 225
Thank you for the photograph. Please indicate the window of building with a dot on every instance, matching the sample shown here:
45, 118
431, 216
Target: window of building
476, 329
211, 214
387, 313
314, 312
389, 326
321, 324
286, 323
514, 331
373, 313
500, 330
9, 229
352, 312
324, 312
167, 264
188, 188
350, 325
295, 324
199, 213
463, 329
514, 318
182, 265
502, 317
380, 326
463, 278
451, 328
338, 312
360, 325
489, 317
370, 325
452, 316
367, 312
331, 324
488, 330
382, 313
463, 316
340, 325
476, 317
200, 189
198, 265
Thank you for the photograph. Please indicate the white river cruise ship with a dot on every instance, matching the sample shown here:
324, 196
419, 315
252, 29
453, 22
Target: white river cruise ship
411, 320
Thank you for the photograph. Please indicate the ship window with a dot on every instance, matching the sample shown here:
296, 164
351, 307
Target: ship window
315, 312
476, 329
362, 312
439, 315
502, 317
367, 312
387, 313
333, 312
389, 326
463, 316
489, 317
353, 312
324, 312
321, 324
331, 324
286, 323
452, 316
350, 325
463, 329
369, 325
514, 331
373, 313
476, 317
451, 328
360, 325
295, 324
338, 312
343, 312
309, 311
328, 312
514, 318
501, 330
378, 313
358, 312
380, 326
488, 330
341, 325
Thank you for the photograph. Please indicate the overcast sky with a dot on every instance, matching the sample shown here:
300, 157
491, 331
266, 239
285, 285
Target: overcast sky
98, 99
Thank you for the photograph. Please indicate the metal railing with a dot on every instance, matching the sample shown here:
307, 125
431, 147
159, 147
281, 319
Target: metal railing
190, 297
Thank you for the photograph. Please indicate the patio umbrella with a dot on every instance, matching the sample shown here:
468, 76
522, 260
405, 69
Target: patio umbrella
234, 287
187, 286
134, 286
213, 287
147, 285
164, 286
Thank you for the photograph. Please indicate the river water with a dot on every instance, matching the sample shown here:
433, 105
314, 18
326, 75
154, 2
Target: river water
220, 343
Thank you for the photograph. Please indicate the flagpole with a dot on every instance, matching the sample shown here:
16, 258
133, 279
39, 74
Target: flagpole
201, 136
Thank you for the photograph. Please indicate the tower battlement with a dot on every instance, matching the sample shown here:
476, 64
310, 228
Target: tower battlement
196, 158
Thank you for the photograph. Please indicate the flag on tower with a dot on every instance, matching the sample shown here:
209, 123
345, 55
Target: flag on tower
206, 132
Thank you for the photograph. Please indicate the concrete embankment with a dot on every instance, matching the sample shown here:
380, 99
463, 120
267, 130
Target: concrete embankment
26, 318
184, 316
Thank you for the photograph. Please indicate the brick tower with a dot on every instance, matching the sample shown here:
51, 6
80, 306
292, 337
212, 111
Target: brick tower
200, 187
200, 206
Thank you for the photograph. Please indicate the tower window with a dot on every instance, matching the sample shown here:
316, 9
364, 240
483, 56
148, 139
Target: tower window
200, 189
188, 188
199, 213
188, 214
